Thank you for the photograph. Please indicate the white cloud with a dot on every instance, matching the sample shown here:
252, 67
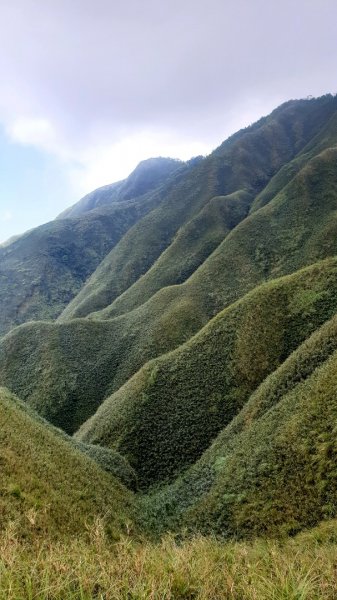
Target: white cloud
105, 84
99, 163
36, 131
5, 216
106, 163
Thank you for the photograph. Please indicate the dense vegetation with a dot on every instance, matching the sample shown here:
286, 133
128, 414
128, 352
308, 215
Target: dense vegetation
169, 412
193, 361
246, 161
41, 271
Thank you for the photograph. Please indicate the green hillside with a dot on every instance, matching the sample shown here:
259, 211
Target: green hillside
245, 162
192, 244
181, 326
165, 270
272, 470
48, 487
67, 369
41, 271
169, 412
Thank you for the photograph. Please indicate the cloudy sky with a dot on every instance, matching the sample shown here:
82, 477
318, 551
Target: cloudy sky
88, 88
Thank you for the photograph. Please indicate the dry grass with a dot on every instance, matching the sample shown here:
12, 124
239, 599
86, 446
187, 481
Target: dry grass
200, 568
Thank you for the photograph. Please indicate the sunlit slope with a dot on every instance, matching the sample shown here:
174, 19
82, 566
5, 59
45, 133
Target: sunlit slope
246, 161
273, 468
49, 487
169, 412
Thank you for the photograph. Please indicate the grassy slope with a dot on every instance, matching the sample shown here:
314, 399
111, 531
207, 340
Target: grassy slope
272, 466
47, 486
42, 270
78, 360
326, 138
246, 161
302, 568
192, 245
169, 412
166, 271
272, 470
195, 241
297, 228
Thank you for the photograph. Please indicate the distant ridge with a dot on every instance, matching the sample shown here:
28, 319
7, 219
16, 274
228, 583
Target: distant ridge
147, 176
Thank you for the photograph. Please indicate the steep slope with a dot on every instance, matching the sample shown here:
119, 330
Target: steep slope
66, 370
245, 162
273, 469
191, 246
41, 271
160, 275
326, 138
147, 176
169, 412
202, 368
47, 486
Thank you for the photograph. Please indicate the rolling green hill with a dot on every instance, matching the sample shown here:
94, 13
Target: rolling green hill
169, 412
193, 347
68, 368
272, 470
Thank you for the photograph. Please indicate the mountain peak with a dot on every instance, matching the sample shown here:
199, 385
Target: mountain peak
148, 174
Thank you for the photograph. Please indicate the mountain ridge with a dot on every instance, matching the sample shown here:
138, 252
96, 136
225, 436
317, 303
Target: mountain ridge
193, 354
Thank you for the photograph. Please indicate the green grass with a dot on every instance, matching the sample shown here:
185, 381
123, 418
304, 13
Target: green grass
272, 470
280, 472
169, 412
48, 487
326, 138
191, 246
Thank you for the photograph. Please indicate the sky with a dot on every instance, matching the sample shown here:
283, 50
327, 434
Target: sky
88, 89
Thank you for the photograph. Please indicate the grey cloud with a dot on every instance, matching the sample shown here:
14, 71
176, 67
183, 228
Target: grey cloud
115, 67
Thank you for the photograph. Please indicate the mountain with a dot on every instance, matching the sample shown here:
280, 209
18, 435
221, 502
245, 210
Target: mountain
147, 176
244, 164
170, 411
41, 271
190, 345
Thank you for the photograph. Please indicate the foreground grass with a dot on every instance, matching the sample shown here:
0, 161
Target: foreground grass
199, 568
